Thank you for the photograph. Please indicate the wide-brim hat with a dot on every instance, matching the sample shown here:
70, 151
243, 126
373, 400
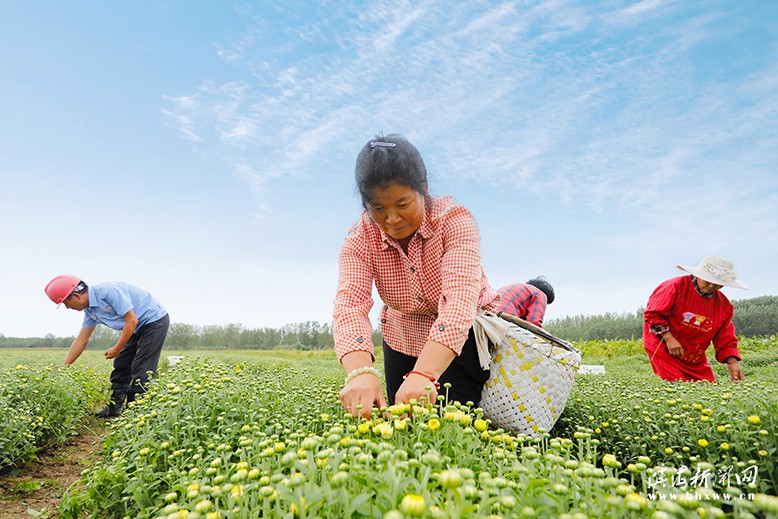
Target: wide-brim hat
716, 270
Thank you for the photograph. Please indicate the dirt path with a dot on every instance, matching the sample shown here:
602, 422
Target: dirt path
36, 490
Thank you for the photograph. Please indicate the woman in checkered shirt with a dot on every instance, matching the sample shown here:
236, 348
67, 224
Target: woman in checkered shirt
423, 255
528, 300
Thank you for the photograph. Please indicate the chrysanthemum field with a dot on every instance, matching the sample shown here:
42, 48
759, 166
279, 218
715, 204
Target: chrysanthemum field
234, 435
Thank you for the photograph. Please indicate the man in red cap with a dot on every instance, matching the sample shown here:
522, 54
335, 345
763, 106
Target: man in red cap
142, 322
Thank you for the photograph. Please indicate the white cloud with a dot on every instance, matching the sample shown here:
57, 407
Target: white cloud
639, 10
564, 117
179, 116
604, 108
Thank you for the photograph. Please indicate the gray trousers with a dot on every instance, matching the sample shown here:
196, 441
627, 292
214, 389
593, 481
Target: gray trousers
139, 357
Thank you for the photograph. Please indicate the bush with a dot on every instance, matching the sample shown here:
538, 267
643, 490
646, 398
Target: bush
42, 406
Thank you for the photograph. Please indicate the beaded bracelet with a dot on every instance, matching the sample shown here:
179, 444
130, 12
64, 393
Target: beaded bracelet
361, 371
425, 375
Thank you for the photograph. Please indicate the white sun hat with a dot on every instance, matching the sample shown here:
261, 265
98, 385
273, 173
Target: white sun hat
716, 270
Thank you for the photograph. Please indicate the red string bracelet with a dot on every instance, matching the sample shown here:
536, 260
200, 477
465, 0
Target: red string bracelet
425, 375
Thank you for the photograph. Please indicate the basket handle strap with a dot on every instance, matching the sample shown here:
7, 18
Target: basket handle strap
537, 330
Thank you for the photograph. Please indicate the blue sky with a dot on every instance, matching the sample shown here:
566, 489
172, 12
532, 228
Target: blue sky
205, 150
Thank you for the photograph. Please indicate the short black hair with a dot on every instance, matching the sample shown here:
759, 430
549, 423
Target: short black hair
541, 283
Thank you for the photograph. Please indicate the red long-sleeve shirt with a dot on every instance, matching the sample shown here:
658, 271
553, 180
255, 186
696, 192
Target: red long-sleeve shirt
695, 321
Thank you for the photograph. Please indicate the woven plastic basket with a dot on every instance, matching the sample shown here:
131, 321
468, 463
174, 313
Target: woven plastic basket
532, 373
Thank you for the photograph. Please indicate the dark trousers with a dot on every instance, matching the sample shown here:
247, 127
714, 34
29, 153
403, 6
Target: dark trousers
464, 373
139, 356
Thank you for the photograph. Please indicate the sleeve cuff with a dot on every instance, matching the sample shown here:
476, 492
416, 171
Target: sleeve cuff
658, 329
352, 344
448, 335
726, 353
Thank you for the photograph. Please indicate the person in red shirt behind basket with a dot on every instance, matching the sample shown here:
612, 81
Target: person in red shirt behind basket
528, 300
423, 253
684, 315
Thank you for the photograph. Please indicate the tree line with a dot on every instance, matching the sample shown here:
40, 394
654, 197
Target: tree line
308, 335
755, 317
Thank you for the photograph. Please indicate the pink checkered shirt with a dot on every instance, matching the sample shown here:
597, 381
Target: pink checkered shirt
525, 301
430, 294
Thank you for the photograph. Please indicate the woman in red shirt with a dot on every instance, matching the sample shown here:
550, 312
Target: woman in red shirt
423, 254
684, 315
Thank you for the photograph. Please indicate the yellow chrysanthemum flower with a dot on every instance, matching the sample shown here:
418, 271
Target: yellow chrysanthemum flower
413, 505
